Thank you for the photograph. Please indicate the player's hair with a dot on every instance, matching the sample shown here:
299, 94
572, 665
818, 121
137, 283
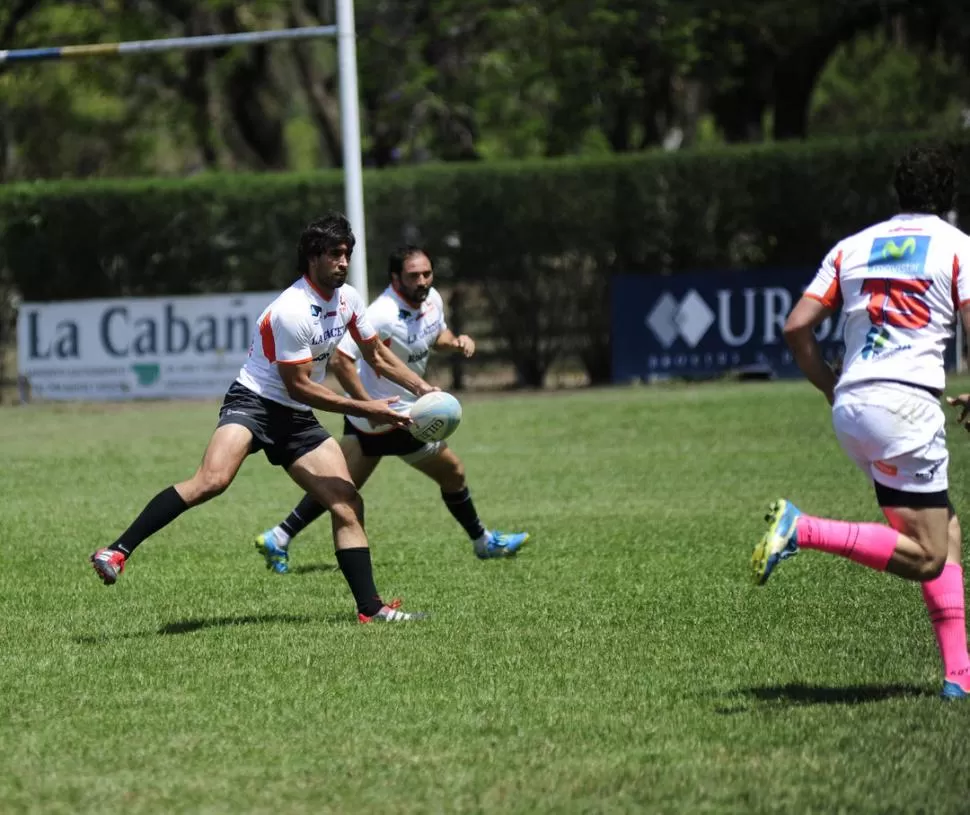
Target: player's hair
395, 261
925, 180
322, 235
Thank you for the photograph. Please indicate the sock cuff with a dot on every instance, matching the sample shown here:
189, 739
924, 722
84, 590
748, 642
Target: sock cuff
455, 497
172, 494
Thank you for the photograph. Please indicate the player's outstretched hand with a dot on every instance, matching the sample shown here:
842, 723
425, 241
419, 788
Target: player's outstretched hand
963, 402
380, 411
465, 345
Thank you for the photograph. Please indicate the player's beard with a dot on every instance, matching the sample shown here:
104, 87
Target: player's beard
334, 279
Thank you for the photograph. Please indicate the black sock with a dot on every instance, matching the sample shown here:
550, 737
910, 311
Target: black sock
461, 507
160, 511
355, 564
304, 514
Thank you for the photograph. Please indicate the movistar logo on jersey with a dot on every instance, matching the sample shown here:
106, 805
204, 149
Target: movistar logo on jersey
878, 342
906, 256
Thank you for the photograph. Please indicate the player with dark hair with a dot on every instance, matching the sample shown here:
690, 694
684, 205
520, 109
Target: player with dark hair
901, 284
409, 317
269, 408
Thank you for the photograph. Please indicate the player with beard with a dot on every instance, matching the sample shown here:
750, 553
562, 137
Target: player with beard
270, 408
409, 318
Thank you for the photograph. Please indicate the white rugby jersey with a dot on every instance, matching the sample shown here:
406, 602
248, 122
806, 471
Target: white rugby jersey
901, 284
301, 325
410, 332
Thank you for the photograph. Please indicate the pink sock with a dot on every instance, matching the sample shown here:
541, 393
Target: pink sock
871, 545
944, 601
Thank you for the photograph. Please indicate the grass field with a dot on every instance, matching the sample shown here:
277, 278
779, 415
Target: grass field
622, 663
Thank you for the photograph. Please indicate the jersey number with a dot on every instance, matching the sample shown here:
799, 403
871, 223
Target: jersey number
905, 307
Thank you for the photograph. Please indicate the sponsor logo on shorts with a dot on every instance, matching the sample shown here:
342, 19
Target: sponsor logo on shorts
929, 473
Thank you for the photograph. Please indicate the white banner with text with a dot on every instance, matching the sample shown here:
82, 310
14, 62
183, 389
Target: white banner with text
136, 348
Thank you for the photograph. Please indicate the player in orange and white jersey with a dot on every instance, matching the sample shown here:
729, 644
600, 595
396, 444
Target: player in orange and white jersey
902, 284
270, 408
410, 320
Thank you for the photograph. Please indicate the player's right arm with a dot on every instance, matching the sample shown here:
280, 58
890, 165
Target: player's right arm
822, 299
963, 400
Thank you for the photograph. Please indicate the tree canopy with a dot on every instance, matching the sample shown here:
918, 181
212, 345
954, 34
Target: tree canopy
451, 80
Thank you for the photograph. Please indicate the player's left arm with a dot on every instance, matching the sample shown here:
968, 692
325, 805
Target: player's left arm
344, 367
460, 344
386, 363
382, 359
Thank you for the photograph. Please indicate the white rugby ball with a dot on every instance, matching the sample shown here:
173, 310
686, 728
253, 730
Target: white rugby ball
435, 416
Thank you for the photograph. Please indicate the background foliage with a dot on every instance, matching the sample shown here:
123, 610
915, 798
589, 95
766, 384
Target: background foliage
544, 235
446, 80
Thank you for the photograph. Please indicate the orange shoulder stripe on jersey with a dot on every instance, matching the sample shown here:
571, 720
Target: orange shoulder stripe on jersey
294, 361
267, 338
352, 327
833, 294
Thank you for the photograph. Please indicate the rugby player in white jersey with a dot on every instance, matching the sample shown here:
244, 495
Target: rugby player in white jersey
901, 284
409, 317
269, 408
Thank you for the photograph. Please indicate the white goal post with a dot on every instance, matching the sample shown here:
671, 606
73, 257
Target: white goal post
344, 32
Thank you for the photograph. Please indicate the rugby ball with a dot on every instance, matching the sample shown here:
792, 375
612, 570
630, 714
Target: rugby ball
435, 416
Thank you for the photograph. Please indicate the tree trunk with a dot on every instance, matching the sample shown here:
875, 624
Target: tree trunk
195, 90
260, 127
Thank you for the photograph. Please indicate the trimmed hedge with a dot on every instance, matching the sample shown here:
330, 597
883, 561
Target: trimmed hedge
540, 238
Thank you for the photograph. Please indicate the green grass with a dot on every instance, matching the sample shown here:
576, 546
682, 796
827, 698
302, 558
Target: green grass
622, 662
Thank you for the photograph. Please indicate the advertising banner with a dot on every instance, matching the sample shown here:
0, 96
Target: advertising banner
698, 325
136, 348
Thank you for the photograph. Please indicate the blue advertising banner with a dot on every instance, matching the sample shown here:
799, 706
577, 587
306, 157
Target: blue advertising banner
698, 325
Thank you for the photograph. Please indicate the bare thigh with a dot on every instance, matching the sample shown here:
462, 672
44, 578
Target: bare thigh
444, 468
224, 455
323, 473
361, 467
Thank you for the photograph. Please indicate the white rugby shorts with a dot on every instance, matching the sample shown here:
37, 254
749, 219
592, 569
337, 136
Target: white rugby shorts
895, 433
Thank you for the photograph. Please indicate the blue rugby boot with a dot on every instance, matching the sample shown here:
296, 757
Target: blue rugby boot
500, 544
277, 557
778, 543
952, 690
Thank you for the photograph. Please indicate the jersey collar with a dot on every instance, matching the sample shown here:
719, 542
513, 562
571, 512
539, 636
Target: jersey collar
318, 292
419, 307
